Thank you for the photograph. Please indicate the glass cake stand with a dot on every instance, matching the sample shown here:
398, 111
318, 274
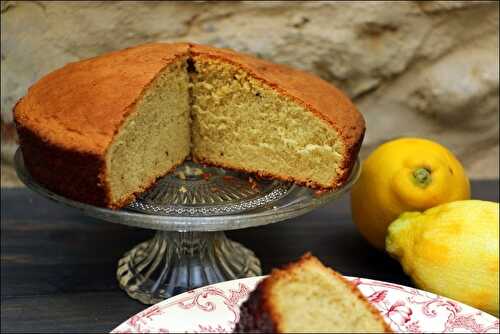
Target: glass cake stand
190, 209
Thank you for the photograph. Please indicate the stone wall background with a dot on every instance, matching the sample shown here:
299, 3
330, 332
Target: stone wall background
427, 69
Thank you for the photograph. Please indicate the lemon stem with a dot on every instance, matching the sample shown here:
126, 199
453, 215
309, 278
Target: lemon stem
422, 177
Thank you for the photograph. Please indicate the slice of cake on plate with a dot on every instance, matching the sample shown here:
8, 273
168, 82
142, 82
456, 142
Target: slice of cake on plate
306, 296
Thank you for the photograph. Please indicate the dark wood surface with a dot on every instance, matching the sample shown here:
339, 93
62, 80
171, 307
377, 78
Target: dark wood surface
58, 266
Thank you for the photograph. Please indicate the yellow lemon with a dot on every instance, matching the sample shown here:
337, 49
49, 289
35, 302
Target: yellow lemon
451, 250
407, 174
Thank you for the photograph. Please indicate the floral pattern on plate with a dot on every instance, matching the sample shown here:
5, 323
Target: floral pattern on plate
215, 309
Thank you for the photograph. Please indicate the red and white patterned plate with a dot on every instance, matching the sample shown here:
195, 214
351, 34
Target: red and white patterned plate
215, 309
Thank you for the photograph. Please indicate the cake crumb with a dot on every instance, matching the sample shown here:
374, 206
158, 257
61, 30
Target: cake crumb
253, 184
229, 178
193, 171
319, 192
181, 175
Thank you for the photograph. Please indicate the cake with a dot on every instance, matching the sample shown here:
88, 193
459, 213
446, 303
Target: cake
308, 297
102, 130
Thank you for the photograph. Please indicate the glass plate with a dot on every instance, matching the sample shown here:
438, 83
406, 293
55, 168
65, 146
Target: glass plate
295, 201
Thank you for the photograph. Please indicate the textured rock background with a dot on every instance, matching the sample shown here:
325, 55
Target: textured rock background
426, 69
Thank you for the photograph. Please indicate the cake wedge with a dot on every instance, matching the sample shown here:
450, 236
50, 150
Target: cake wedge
306, 296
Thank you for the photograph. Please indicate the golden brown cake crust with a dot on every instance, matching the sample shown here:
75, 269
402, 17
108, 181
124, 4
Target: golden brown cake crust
68, 118
268, 319
80, 179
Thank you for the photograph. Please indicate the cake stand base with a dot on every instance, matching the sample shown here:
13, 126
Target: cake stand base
174, 262
190, 208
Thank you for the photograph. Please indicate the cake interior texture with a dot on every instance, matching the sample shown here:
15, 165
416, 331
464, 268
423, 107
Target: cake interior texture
240, 122
312, 298
156, 136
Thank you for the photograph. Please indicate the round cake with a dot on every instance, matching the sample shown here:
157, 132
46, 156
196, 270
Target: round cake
102, 130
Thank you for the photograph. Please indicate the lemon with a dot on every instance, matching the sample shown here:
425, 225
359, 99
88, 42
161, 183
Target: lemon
406, 174
451, 250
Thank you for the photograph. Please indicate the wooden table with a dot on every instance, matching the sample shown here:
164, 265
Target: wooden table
58, 267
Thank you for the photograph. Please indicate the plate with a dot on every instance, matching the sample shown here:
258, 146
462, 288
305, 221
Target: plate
215, 309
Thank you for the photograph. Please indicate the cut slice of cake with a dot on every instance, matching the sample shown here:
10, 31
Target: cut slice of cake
102, 130
308, 297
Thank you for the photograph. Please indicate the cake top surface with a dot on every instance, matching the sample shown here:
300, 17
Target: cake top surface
81, 105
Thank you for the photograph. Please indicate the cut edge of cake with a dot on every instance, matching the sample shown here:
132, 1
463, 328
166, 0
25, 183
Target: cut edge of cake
155, 138
336, 109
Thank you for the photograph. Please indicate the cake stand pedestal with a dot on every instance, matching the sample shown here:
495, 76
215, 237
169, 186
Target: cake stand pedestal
190, 209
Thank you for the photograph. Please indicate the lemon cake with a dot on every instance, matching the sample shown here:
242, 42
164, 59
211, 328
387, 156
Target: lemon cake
308, 297
102, 130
